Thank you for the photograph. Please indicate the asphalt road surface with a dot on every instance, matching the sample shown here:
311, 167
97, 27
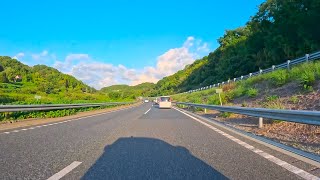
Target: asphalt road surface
142, 142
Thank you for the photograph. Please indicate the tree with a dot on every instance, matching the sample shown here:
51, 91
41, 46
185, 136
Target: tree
1, 68
3, 77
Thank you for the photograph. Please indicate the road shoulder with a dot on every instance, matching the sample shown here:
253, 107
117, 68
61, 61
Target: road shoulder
39, 121
307, 165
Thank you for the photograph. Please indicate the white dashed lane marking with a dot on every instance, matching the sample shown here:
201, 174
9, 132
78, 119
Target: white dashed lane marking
147, 111
65, 171
289, 167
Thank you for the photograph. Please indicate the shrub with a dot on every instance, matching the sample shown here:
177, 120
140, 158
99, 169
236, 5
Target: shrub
294, 99
228, 87
252, 92
214, 99
225, 114
279, 77
317, 69
307, 78
254, 80
272, 98
274, 105
238, 92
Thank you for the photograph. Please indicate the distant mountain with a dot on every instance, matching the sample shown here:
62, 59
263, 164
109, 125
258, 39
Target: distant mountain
125, 91
119, 87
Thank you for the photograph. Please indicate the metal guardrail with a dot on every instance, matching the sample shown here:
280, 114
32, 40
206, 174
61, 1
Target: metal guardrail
298, 116
288, 64
43, 107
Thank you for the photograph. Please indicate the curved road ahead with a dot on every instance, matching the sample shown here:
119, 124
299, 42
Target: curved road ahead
138, 143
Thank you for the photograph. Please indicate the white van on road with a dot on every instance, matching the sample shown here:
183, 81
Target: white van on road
165, 102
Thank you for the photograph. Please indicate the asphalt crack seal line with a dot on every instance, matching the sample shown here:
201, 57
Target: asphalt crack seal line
287, 166
45, 125
65, 171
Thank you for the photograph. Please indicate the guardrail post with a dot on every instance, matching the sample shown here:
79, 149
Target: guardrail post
288, 64
260, 71
260, 122
273, 67
220, 99
307, 57
250, 74
205, 110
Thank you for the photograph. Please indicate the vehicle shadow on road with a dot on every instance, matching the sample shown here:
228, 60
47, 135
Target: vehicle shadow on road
148, 158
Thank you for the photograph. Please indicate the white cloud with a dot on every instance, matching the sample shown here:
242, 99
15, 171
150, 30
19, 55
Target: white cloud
72, 57
203, 48
189, 42
66, 65
170, 62
18, 56
44, 53
98, 74
40, 55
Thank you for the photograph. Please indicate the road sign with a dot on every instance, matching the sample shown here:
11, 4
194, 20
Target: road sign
218, 90
37, 97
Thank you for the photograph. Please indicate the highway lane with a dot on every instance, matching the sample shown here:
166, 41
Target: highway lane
41, 152
136, 143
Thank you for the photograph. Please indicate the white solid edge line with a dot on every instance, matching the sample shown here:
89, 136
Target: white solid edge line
147, 111
65, 171
283, 164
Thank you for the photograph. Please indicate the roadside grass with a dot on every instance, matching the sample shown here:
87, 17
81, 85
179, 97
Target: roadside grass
18, 98
305, 74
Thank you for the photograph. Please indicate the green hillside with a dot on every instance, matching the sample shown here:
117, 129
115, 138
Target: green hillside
131, 92
177, 82
20, 84
279, 31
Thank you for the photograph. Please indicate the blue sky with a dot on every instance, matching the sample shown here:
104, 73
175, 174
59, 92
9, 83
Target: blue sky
120, 41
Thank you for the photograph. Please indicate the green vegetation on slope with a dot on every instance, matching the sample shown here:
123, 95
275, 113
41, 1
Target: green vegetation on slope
177, 81
19, 84
280, 30
131, 92
305, 75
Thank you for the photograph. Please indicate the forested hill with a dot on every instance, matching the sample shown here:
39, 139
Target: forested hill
39, 78
20, 83
279, 31
125, 91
